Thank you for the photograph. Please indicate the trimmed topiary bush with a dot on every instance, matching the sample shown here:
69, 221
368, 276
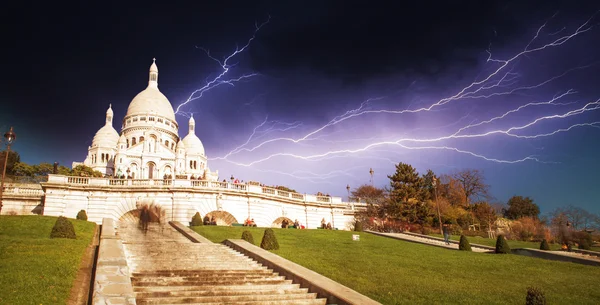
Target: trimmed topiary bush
544, 245
358, 226
502, 245
269, 241
247, 236
196, 220
82, 215
464, 244
535, 296
63, 228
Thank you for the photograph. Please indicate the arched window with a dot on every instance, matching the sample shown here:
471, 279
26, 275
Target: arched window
132, 141
141, 139
167, 143
127, 143
191, 164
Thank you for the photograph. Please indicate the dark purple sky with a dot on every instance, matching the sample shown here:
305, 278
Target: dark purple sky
63, 63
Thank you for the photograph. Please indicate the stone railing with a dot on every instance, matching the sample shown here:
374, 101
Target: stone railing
23, 191
203, 184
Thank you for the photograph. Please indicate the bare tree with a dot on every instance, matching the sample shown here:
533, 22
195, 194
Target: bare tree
473, 184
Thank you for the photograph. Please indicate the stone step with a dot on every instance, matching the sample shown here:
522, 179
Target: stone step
205, 277
145, 268
226, 299
215, 282
273, 302
222, 292
200, 272
216, 288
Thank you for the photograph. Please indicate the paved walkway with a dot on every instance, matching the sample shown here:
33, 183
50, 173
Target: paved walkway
428, 241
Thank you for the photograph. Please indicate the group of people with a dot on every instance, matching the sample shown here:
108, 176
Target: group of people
209, 221
325, 225
286, 224
249, 222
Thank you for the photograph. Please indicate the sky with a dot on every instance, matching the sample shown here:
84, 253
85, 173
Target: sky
320, 92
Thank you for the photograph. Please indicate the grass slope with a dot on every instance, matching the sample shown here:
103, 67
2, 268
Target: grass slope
397, 272
35, 269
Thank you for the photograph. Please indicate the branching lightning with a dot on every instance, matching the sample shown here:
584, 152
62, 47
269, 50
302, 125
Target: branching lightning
225, 68
502, 80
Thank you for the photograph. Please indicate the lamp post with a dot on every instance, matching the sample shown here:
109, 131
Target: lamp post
232, 178
348, 189
371, 172
437, 203
10, 137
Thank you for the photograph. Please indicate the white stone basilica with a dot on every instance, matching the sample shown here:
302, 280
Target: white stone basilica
149, 146
148, 165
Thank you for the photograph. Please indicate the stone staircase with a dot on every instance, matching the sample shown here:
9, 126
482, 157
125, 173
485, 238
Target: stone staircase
167, 268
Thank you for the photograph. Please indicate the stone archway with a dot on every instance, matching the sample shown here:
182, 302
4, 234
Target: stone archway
222, 218
277, 222
157, 213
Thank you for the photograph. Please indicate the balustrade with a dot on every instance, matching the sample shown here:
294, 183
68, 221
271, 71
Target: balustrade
78, 180
201, 184
23, 191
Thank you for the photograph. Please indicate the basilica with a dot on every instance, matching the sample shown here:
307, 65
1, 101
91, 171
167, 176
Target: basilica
148, 146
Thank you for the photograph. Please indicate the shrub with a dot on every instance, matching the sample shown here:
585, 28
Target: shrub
544, 245
82, 215
583, 239
269, 241
196, 220
502, 245
247, 236
464, 244
63, 228
535, 296
358, 227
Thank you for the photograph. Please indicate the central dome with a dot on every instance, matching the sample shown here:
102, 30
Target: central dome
151, 101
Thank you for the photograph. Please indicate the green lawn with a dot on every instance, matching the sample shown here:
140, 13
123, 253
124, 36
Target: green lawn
397, 272
35, 269
514, 244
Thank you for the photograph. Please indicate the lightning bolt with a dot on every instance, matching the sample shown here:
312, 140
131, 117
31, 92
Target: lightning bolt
225, 68
502, 80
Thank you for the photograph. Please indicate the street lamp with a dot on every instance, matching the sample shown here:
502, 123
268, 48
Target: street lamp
10, 137
371, 172
437, 203
348, 189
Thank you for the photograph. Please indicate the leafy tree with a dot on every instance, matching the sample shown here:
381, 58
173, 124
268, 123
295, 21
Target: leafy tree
85, 171
23, 169
408, 194
485, 213
519, 206
13, 159
451, 189
43, 169
374, 197
473, 184
63, 170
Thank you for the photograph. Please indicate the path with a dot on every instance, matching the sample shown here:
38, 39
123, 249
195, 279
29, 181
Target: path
429, 240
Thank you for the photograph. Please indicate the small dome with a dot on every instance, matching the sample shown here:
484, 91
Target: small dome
180, 145
122, 139
193, 145
107, 136
109, 112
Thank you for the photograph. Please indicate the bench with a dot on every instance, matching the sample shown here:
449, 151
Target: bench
237, 224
